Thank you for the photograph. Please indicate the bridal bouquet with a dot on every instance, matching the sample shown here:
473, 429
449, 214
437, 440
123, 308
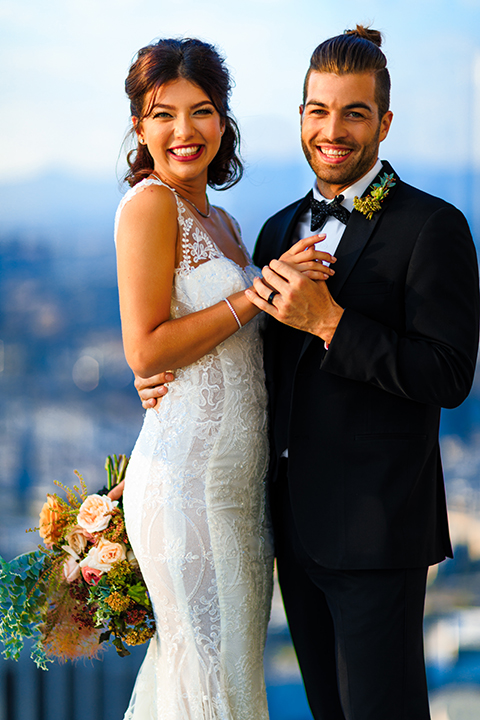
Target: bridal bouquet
83, 588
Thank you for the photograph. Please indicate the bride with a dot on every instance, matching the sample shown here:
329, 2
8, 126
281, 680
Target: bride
194, 495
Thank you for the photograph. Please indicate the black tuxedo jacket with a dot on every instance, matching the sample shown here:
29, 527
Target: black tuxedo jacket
361, 420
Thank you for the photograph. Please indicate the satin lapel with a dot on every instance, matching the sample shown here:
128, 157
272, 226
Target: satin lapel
357, 234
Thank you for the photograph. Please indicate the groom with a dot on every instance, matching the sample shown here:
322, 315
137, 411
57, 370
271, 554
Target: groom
357, 369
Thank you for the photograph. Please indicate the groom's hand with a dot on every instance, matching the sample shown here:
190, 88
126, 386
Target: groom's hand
300, 302
152, 389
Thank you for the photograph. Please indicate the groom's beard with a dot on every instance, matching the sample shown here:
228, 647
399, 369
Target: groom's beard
358, 164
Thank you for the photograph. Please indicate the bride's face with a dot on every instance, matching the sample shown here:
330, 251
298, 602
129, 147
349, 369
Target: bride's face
182, 131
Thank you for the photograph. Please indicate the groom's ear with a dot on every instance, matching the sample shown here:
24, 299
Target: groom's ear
300, 110
385, 123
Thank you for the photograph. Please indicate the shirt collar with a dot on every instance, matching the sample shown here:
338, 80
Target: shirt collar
355, 190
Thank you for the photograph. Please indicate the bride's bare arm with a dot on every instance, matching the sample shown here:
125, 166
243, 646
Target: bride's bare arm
303, 256
146, 242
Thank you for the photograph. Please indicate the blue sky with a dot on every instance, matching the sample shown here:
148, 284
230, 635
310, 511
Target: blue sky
64, 63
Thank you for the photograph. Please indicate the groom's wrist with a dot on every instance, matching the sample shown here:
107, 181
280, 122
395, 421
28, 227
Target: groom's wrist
328, 326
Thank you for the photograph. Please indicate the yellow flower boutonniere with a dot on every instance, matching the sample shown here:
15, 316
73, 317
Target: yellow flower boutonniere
373, 203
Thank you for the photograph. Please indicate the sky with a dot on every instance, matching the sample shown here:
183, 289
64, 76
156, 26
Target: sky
63, 65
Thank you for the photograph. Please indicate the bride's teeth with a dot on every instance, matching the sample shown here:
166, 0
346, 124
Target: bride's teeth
185, 151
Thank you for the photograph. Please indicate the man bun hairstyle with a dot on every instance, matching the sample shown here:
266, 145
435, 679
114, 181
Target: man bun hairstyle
356, 51
200, 63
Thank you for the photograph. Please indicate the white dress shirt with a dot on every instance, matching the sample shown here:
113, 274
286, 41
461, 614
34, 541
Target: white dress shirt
333, 228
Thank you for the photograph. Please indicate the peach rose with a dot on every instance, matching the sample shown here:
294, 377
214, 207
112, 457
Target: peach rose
94, 514
103, 555
91, 576
50, 525
77, 539
71, 570
110, 552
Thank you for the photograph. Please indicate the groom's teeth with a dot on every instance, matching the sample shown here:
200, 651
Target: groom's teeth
186, 151
334, 153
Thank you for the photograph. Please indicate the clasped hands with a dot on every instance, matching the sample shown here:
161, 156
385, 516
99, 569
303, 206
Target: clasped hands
302, 300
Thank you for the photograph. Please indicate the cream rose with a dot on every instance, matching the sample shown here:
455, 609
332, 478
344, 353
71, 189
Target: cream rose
94, 514
71, 570
103, 555
71, 552
77, 539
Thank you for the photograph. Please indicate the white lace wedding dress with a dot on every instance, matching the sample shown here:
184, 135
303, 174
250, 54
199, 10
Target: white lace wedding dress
195, 511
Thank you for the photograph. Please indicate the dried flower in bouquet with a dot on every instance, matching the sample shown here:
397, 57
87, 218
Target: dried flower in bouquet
84, 587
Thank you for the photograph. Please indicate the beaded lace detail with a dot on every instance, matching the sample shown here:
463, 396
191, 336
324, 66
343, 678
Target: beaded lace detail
195, 511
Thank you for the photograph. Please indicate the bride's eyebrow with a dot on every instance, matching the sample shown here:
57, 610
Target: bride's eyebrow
164, 106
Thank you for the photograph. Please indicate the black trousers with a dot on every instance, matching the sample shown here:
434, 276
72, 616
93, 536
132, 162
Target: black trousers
358, 634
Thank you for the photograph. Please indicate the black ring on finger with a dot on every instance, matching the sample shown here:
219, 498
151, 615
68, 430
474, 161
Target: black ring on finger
271, 296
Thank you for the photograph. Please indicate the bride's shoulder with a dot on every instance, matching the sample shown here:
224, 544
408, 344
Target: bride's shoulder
146, 206
147, 192
147, 201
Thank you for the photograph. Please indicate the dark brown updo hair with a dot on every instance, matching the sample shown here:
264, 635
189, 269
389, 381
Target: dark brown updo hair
356, 51
199, 63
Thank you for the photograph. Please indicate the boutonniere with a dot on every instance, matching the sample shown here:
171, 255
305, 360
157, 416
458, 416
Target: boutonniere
373, 203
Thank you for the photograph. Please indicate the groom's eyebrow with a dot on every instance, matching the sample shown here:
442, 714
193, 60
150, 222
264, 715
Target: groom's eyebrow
353, 106
350, 106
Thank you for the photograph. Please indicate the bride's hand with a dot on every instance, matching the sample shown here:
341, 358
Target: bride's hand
306, 259
152, 389
117, 492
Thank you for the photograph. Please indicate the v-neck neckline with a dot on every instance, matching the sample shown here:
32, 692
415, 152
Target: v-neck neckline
240, 244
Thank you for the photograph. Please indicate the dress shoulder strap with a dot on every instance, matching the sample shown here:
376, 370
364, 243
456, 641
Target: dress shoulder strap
134, 191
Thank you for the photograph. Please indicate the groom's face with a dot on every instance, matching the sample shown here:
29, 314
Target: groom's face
341, 128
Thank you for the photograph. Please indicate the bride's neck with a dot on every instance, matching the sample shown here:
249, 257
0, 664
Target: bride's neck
195, 192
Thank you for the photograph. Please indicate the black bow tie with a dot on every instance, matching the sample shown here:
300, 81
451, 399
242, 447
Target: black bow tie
321, 210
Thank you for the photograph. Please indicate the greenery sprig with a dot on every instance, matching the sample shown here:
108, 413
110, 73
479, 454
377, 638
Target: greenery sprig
116, 468
23, 598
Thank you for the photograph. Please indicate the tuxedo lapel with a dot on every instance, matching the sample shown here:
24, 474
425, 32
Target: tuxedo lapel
355, 237
357, 234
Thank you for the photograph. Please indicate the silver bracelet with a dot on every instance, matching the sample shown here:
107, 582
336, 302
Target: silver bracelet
233, 312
